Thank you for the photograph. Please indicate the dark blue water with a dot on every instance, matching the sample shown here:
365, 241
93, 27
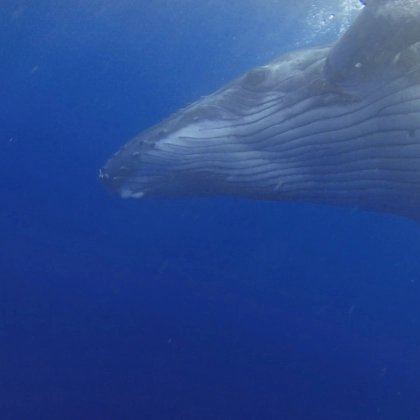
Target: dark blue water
199, 309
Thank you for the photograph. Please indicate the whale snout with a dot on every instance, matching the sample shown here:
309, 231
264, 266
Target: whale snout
177, 158
131, 175
116, 184
146, 167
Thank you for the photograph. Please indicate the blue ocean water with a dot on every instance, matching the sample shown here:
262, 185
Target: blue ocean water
215, 308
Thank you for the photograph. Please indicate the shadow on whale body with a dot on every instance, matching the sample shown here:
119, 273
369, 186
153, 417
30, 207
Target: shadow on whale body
336, 125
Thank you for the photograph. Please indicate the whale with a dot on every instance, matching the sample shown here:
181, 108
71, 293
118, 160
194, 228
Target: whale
334, 125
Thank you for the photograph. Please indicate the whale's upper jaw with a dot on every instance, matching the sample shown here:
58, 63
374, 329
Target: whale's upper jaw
303, 128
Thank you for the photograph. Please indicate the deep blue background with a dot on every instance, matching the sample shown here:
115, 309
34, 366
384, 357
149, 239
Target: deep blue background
198, 309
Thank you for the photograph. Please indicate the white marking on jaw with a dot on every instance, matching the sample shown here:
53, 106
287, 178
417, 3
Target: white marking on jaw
139, 194
396, 58
127, 193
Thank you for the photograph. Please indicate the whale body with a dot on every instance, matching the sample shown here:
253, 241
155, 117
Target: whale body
337, 125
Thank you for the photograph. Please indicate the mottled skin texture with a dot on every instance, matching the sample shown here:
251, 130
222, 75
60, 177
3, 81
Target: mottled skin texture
335, 125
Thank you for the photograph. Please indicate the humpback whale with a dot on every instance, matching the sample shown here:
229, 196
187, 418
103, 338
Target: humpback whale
336, 125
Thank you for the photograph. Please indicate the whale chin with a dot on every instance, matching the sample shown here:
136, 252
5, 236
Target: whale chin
336, 125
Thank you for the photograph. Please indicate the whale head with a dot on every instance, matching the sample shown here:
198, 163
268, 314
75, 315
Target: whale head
225, 144
335, 125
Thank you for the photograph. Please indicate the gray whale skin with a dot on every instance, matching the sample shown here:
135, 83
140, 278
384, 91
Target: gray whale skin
337, 125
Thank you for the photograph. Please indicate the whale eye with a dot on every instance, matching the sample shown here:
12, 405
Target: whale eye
255, 77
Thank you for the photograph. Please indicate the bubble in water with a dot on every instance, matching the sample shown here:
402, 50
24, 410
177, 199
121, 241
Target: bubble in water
327, 19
